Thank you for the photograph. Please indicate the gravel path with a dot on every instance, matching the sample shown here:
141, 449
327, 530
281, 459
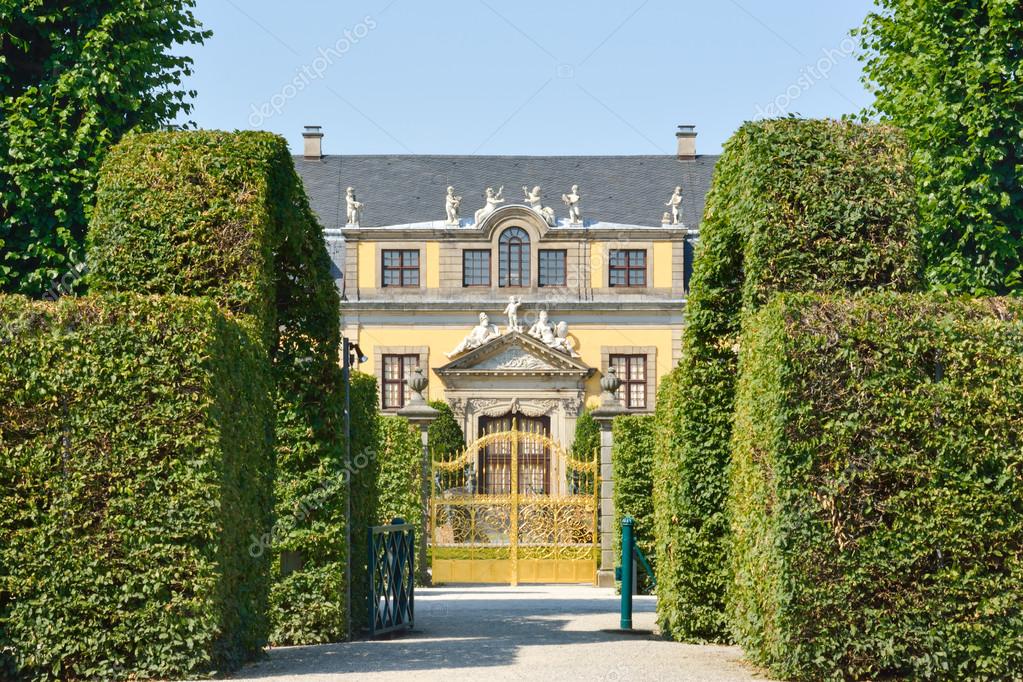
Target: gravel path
532, 632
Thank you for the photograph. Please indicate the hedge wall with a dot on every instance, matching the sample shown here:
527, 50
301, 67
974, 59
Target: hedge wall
446, 436
401, 455
632, 466
876, 489
364, 487
224, 215
794, 206
135, 465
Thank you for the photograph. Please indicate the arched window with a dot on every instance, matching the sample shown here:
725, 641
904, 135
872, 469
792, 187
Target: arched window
513, 258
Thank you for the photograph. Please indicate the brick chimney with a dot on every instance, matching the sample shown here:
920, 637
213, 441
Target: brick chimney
686, 137
312, 140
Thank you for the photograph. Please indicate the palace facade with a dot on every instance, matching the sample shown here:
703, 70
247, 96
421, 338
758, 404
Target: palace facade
516, 281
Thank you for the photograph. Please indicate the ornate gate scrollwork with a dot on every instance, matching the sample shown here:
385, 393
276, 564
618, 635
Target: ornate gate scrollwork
515, 537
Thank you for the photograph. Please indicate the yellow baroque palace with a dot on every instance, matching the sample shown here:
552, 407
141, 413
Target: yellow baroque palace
517, 282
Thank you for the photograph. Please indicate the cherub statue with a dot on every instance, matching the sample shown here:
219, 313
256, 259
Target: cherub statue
542, 329
354, 208
572, 201
492, 200
675, 204
561, 340
478, 336
535, 200
512, 311
451, 206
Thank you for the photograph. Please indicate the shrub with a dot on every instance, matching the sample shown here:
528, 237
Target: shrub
632, 464
446, 436
877, 523
364, 487
224, 215
399, 480
136, 465
794, 206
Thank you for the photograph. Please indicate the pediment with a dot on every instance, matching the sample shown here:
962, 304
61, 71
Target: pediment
514, 353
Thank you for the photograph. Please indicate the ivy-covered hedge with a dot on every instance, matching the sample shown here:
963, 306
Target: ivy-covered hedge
632, 456
365, 475
136, 464
794, 205
225, 215
398, 482
876, 489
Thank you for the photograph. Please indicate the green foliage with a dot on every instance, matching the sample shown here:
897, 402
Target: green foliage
446, 436
74, 78
877, 524
136, 464
794, 206
224, 215
949, 74
365, 468
400, 478
632, 456
587, 437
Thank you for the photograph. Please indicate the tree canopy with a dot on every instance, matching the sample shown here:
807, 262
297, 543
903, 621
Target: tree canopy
75, 76
951, 75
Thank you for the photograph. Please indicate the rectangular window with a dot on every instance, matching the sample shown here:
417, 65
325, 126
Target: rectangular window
400, 268
393, 390
631, 369
627, 268
476, 268
552, 267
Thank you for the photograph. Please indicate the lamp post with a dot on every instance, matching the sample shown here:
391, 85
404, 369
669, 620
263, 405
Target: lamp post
351, 354
420, 414
610, 407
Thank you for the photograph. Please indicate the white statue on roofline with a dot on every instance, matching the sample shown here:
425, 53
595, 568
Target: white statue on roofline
535, 200
353, 208
452, 204
478, 336
572, 201
492, 199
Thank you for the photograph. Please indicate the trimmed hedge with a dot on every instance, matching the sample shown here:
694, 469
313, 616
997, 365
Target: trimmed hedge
446, 436
365, 492
794, 205
876, 497
225, 215
135, 465
398, 483
632, 455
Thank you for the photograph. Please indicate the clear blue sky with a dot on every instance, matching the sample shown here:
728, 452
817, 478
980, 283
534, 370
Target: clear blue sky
523, 77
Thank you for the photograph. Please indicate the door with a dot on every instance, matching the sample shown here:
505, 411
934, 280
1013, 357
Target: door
495, 458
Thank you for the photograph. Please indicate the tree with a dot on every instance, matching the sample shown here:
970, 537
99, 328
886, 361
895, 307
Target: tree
446, 437
949, 74
75, 76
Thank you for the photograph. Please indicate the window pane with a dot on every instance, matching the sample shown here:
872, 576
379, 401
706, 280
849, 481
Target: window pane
637, 369
513, 258
411, 259
476, 268
637, 395
411, 278
552, 268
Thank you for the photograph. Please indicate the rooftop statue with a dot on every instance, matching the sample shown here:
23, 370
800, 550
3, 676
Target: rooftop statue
675, 203
452, 204
354, 208
572, 201
492, 200
512, 311
479, 335
535, 200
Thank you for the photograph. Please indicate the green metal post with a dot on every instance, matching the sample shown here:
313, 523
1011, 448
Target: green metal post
628, 549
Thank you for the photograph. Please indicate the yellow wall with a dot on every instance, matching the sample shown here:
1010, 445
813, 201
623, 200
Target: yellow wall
367, 265
588, 339
432, 265
662, 265
596, 265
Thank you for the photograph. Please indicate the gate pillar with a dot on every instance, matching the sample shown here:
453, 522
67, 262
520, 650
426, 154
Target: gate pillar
421, 415
610, 407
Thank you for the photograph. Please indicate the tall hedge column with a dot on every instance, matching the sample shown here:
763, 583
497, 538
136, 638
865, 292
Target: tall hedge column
604, 415
420, 414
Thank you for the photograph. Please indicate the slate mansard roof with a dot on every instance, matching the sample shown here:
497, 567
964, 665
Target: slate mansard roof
402, 189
